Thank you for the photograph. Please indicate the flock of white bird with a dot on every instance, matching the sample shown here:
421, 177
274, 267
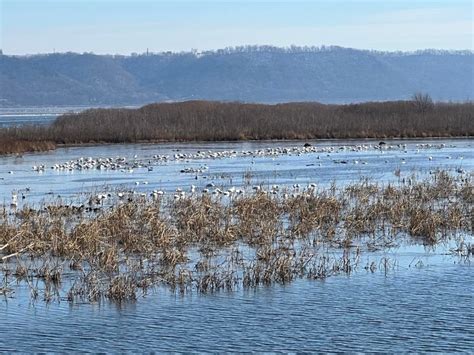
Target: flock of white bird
128, 165
102, 198
284, 192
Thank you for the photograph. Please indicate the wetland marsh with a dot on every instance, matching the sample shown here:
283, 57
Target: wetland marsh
144, 230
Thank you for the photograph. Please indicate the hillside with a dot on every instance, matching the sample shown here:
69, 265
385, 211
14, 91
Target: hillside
251, 74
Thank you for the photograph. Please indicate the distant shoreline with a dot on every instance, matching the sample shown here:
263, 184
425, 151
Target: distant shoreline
209, 121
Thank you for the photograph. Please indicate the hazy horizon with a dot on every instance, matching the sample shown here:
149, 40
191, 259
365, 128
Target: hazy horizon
215, 50
125, 27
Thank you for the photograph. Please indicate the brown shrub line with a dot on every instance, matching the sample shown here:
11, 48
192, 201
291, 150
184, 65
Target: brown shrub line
12, 146
231, 121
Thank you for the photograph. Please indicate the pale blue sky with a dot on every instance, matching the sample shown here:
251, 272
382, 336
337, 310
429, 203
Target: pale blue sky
125, 26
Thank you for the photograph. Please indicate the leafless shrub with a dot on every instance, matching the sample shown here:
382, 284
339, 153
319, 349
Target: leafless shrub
216, 121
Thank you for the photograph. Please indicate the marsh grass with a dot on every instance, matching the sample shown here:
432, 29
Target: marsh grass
208, 243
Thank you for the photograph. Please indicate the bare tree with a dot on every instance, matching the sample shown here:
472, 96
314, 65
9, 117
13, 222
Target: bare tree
423, 102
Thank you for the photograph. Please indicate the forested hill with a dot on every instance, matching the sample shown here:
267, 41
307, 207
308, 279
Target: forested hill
252, 74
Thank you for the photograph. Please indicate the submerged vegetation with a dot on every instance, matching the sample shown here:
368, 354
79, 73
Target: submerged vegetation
215, 121
120, 244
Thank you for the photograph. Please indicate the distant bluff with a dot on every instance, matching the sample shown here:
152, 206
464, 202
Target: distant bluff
251, 74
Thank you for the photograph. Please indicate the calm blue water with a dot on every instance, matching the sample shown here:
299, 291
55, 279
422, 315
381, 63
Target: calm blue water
18, 116
8, 120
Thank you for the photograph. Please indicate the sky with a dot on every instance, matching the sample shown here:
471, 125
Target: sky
126, 26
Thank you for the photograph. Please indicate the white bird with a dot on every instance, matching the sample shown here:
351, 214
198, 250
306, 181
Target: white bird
155, 195
14, 202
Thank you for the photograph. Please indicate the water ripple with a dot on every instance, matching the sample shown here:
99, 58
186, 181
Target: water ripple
410, 310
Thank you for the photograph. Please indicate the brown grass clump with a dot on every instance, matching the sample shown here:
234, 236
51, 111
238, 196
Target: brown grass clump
258, 218
202, 220
314, 212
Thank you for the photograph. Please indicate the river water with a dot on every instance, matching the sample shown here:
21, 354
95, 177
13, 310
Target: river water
423, 303
19, 116
24, 119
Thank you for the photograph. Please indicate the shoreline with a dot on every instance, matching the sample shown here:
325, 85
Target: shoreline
270, 141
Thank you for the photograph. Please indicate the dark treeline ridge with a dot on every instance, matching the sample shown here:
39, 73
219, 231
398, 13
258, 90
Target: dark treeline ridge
217, 121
